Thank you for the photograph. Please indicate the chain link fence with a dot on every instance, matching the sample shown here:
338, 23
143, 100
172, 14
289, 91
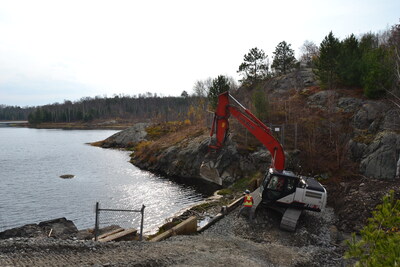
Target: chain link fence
285, 133
118, 217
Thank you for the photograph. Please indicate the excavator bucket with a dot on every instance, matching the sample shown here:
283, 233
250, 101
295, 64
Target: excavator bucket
209, 172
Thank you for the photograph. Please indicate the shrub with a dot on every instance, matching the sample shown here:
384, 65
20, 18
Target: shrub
225, 191
380, 238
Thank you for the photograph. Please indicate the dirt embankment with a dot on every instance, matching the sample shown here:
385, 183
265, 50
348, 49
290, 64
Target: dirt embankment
354, 200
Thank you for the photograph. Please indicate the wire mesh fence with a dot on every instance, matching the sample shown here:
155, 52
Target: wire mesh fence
118, 217
285, 133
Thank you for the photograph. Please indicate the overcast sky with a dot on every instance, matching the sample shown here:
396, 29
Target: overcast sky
57, 50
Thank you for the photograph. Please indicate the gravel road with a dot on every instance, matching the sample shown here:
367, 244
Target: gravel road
230, 242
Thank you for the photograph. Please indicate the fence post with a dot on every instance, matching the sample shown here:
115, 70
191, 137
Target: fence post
141, 223
96, 223
295, 136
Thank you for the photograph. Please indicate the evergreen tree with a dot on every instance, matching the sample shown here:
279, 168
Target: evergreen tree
254, 67
284, 59
349, 69
327, 62
377, 72
219, 85
380, 238
260, 104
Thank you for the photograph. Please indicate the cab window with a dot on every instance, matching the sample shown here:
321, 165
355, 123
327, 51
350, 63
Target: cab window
291, 184
276, 183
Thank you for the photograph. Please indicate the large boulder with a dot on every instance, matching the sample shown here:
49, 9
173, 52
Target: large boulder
58, 228
29, 230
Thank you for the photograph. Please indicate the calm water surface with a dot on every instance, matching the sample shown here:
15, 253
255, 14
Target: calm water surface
31, 161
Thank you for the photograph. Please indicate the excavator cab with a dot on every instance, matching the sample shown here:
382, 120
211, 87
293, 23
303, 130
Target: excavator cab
277, 185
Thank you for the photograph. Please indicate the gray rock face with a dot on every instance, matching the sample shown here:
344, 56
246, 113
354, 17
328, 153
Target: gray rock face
227, 165
391, 120
349, 104
369, 115
177, 160
380, 157
128, 136
295, 80
357, 150
323, 99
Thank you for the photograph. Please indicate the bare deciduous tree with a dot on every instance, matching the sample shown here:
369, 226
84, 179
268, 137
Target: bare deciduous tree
309, 50
201, 87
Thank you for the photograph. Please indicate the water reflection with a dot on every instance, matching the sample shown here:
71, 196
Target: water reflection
32, 160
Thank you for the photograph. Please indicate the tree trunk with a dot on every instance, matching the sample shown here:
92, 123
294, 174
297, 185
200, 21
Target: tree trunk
398, 169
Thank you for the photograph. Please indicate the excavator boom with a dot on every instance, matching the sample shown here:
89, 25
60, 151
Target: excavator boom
248, 120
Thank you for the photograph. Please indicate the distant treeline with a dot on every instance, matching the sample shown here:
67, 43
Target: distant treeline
121, 107
14, 113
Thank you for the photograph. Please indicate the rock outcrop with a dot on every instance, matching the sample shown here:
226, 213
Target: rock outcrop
376, 145
59, 228
380, 157
184, 160
127, 137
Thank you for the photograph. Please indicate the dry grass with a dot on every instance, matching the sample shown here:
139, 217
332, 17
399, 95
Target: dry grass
164, 136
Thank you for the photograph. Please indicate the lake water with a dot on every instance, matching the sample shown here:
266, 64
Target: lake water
31, 191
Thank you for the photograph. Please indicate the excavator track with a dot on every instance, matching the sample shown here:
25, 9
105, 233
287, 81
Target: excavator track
290, 218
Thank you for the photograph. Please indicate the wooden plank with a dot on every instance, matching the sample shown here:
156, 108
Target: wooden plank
110, 233
186, 227
119, 235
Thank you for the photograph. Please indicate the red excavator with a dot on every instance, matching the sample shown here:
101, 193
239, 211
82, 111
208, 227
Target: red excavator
281, 190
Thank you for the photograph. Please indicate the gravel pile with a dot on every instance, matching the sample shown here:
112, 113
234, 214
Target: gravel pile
231, 241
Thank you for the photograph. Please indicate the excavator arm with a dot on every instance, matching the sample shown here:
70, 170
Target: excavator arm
221, 126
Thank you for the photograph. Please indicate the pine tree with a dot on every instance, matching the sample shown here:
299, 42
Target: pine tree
377, 72
326, 65
260, 104
254, 67
284, 59
349, 68
219, 85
